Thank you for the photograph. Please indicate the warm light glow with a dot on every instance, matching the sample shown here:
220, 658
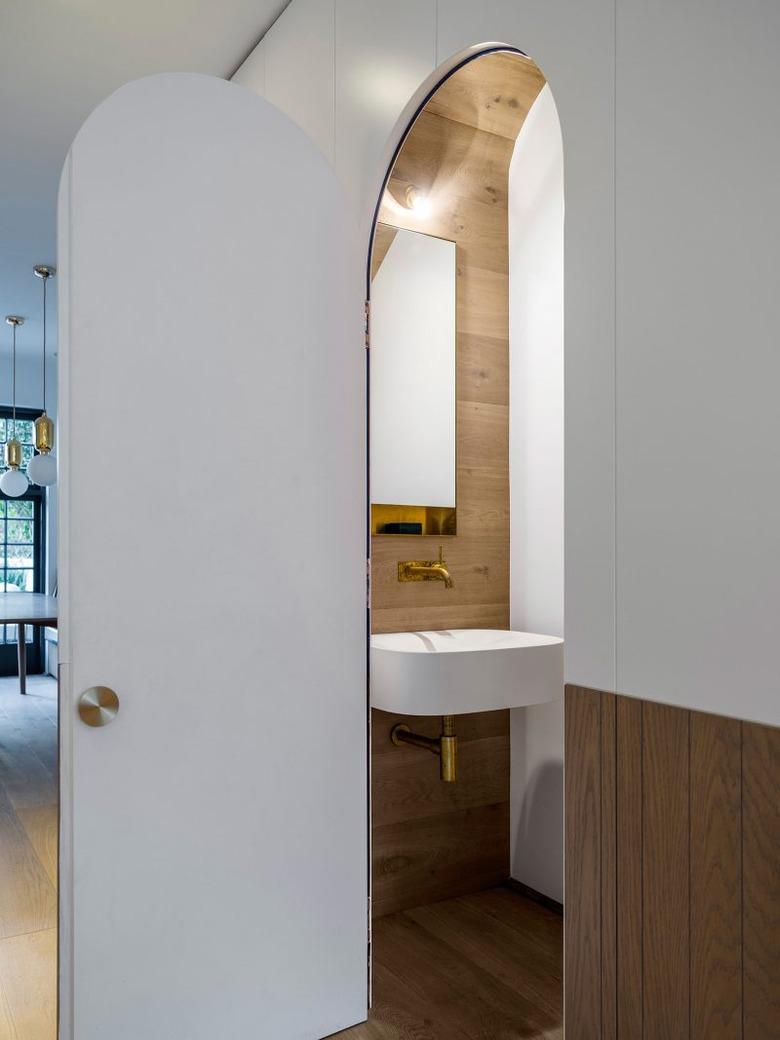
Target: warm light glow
418, 202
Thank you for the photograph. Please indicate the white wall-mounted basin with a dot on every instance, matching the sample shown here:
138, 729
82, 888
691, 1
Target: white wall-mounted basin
464, 670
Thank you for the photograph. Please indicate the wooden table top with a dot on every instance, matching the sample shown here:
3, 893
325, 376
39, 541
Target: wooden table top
27, 608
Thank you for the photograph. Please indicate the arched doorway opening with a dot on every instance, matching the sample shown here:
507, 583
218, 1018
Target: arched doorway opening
465, 285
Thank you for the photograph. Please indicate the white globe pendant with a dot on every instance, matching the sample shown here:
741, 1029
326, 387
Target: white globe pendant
13, 483
42, 470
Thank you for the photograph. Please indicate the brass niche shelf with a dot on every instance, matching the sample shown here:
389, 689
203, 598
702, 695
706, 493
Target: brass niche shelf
413, 520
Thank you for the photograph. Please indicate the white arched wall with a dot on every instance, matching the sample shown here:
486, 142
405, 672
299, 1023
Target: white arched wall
671, 523
350, 73
536, 207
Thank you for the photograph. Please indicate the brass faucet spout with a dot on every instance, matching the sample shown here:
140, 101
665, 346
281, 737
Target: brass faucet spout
425, 570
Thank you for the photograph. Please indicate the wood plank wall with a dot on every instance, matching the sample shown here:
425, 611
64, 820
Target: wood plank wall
434, 840
672, 873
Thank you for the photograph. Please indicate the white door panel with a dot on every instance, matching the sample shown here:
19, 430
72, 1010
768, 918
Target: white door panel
213, 574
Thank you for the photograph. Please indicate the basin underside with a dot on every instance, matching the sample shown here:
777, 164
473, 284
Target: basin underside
459, 671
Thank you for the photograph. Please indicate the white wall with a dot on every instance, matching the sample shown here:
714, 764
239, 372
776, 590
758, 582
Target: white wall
672, 560
413, 373
536, 370
672, 368
365, 79
383, 58
698, 373
536, 480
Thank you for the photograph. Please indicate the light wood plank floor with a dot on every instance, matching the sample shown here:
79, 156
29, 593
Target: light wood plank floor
28, 859
487, 966
481, 967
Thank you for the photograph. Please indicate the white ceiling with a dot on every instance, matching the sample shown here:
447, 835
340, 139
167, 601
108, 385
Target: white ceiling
60, 59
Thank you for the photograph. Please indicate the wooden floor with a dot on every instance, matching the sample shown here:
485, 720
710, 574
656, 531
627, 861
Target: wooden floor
482, 967
28, 859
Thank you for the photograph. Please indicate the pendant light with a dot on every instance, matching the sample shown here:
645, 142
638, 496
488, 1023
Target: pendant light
42, 468
13, 482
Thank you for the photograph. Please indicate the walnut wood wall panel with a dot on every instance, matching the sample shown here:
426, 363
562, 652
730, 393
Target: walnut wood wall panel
716, 877
761, 881
434, 840
583, 965
628, 881
608, 870
672, 877
665, 871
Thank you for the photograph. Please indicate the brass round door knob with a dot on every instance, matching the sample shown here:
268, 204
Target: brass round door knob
98, 706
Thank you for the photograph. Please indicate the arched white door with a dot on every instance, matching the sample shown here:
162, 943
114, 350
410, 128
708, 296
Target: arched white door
214, 845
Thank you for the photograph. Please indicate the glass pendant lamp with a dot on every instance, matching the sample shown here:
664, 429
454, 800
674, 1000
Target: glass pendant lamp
42, 468
13, 482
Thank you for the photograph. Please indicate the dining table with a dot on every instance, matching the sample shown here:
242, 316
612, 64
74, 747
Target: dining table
23, 609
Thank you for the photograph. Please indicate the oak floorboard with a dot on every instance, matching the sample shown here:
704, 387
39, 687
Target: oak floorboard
28, 859
7, 1028
28, 968
506, 955
525, 916
37, 732
40, 826
478, 967
25, 778
28, 901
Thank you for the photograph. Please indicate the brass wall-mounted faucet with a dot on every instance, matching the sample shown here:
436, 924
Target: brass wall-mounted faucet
445, 746
425, 570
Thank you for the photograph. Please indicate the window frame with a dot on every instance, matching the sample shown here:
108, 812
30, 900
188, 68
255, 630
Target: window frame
37, 496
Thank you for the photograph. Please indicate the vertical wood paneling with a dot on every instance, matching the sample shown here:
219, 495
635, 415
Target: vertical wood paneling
583, 925
629, 867
608, 870
716, 879
674, 858
665, 858
761, 881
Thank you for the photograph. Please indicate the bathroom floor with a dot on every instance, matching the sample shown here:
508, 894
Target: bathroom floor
480, 967
28, 859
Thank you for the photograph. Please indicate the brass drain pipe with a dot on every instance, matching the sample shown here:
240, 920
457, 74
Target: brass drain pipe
445, 745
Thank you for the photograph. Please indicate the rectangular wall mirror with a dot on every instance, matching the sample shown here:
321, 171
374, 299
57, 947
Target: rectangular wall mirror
413, 372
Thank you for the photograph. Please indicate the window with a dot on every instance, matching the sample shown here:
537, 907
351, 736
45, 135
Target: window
17, 524
21, 541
